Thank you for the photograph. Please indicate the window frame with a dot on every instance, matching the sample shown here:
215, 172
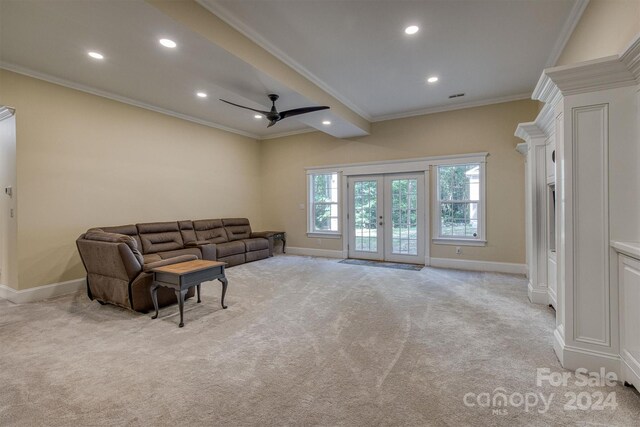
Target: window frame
480, 239
311, 231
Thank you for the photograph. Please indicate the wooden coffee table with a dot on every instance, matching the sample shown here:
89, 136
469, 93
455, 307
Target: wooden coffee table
182, 276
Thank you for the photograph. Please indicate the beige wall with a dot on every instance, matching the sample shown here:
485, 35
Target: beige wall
85, 161
488, 128
605, 28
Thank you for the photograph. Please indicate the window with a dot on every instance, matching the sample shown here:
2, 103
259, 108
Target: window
460, 204
323, 204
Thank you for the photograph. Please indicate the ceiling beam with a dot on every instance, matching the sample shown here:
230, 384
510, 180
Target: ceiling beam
211, 27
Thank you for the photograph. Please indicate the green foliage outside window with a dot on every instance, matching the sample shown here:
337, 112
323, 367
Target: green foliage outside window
325, 201
459, 196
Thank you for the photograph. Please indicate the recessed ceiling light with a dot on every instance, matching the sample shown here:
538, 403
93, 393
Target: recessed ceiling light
201, 95
257, 116
412, 29
432, 79
96, 55
326, 122
168, 43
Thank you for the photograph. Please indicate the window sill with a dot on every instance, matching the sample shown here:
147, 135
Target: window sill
459, 242
325, 235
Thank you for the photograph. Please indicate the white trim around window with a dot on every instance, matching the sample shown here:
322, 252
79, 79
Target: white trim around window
446, 239
332, 203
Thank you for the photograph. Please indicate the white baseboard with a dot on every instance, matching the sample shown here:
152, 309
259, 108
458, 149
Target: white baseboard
553, 299
573, 358
629, 374
538, 295
325, 253
465, 264
42, 292
558, 345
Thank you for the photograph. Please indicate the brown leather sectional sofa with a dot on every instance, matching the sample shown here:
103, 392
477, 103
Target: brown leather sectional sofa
119, 259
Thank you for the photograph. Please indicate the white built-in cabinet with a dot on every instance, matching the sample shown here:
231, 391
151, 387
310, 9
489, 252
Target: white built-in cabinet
590, 119
629, 283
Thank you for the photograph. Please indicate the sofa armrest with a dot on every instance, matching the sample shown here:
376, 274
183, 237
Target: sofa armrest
175, 260
208, 249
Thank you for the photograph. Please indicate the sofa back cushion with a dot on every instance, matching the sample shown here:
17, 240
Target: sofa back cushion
210, 230
127, 230
237, 228
99, 235
187, 231
160, 237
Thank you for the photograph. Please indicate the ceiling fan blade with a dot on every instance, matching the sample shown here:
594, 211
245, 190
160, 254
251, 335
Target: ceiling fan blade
246, 108
298, 111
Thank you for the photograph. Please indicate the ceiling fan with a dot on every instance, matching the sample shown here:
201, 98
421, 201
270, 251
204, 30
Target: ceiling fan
274, 116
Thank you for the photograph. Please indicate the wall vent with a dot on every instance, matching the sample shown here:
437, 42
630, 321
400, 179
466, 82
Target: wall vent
457, 95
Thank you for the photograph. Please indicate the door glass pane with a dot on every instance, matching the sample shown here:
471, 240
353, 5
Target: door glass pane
404, 217
365, 205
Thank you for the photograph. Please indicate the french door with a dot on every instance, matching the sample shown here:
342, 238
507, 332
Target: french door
386, 217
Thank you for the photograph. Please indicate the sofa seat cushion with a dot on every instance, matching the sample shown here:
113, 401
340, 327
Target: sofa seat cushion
230, 248
179, 252
256, 244
149, 258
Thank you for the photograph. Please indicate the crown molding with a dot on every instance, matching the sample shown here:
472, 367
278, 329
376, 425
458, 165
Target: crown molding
228, 17
567, 29
460, 106
109, 95
546, 118
631, 57
590, 76
522, 148
528, 131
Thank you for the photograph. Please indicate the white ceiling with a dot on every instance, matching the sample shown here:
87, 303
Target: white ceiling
486, 49
53, 37
355, 50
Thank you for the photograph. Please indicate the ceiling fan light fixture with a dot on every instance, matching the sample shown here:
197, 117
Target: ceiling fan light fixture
273, 116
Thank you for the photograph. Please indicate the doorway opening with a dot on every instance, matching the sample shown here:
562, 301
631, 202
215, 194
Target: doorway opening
8, 228
386, 217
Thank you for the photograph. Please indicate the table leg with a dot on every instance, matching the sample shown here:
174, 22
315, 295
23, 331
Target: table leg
224, 290
180, 295
154, 298
198, 291
284, 244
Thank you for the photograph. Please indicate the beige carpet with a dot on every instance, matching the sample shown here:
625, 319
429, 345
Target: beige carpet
304, 342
